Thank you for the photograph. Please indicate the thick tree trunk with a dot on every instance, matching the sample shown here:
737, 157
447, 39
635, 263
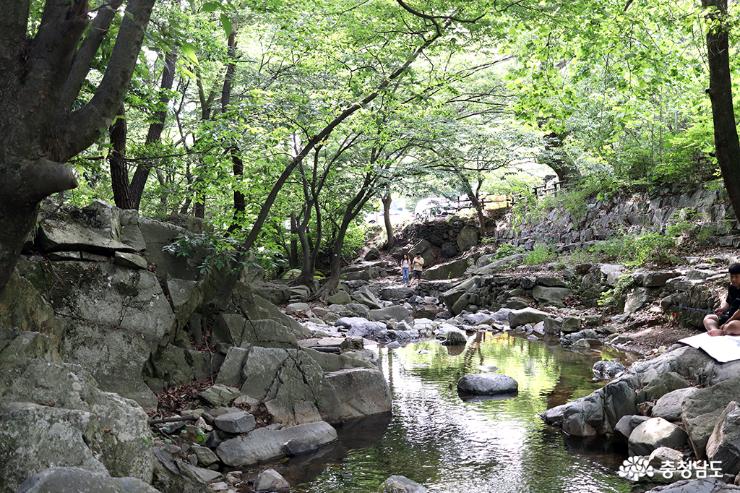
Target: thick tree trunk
117, 161
390, 241
293, 251
479, 212
39, 127
726, 142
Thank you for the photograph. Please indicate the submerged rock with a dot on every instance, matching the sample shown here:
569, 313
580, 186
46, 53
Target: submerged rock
401, 484
487, 384
271, 481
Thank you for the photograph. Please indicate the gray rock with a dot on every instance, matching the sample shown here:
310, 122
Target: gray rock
271, 481
662, 384
401, 484
661, 455
606, 370
627, 424
360, 327
130, 260
551, 296
487, 384
551, 281
669, 405
219, 395
353, 393
724, 442
697, 486
393, 312
77, 480
449, 270
205, 456
654, 433
467, 238
366, 297
340, 298
451, 335
264, 444
654, 279
635, 300
297, 308
526, 316
235, 421
395, 293
198, 474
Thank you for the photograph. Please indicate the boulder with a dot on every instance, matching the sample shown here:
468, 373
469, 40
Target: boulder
487, 384
264, 444
396, 293
635, 300
205, 456
449, 270
372, 254
627, 424
401, 484
451, 335
669, 405
550, 295
654, 433
526, 316
339, 298
297, 309
219, 395
353, 393
606, 370
662, 455
271, 481
393, 312
360, 327
77, 480
724, 442
653, 279
367, 298
467, 238
235, 421
697, 486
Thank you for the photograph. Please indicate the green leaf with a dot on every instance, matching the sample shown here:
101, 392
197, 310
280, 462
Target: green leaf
226, 24
211, 6
188, 51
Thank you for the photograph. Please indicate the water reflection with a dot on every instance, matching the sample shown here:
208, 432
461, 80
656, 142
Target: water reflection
492, 445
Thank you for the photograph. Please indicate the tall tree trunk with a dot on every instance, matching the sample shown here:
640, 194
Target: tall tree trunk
479, 212
726, 142
293, 252
154, 134
390, 241
237, 165
117, 161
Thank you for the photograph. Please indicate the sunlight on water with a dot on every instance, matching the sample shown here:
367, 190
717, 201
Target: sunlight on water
451, 445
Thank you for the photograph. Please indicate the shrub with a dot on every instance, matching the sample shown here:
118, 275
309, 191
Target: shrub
540, 254
506, 250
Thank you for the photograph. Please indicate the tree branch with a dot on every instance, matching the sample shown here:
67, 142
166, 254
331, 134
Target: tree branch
81, 128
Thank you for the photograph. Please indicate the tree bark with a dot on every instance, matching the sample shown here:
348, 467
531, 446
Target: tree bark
293, 251
117, 161
727, 146
39, 127
390, 241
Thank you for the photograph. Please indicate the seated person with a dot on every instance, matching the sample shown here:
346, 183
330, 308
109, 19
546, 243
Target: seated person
726, 319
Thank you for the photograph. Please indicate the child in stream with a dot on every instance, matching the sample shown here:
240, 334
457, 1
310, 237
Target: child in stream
726, 319
418, 267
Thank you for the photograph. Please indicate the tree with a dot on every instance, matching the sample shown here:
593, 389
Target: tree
41, 124
720, 92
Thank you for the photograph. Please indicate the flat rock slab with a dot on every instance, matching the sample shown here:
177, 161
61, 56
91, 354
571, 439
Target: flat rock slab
487, 384
235, 422
264, 444
61, 479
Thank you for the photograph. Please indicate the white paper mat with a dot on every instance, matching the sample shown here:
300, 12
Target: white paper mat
721, 348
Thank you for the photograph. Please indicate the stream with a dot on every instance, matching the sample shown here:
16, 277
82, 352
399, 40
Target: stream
451, 445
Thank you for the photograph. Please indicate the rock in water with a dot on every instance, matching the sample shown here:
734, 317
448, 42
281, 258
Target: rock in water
606, 370
654, 433
60, 479
270, 480
401, 484
481, 384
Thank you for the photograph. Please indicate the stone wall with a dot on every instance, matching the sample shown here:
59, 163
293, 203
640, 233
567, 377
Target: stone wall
624, 214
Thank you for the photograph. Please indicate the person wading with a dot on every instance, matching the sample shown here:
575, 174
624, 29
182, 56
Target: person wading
418, 267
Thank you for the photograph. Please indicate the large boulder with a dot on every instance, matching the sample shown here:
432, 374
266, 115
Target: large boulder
697, 486
78, 480
550, 295
701, 410
449, 270
654, 433
396, 293
393, 312
353, 393
271, 481
487, 384
467, 238
265, 444
724, 442
526, 316
53, 414
669, 405
113, 319
366, 297
360, 327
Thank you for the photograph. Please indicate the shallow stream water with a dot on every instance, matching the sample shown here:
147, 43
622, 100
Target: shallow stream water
451, 445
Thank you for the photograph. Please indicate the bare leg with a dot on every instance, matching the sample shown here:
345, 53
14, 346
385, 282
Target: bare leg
711, 323
732, 328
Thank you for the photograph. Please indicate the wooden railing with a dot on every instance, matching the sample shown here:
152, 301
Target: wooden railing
538, 192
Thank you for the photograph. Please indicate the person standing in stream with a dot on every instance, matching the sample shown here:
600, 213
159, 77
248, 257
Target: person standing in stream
418, 267
726, 319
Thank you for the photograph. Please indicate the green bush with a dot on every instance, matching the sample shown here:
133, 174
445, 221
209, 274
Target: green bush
540, 254
506, 250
